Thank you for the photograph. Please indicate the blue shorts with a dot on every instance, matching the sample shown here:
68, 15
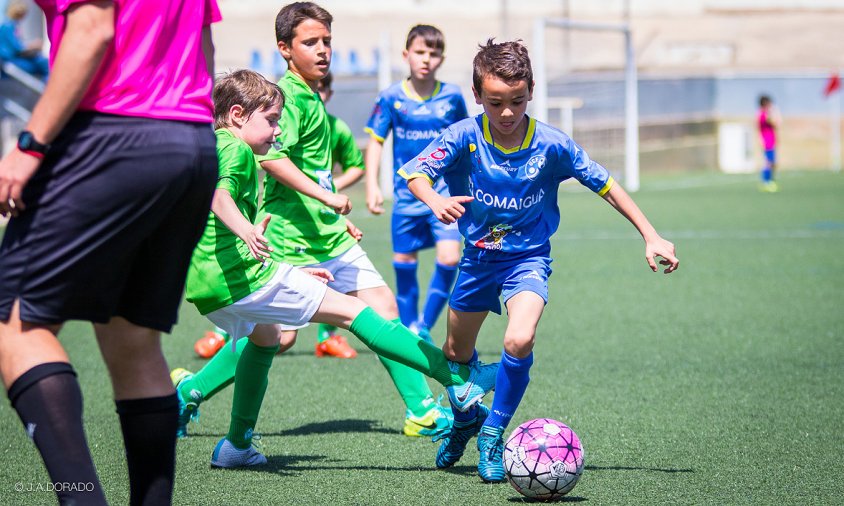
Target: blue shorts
771, 156
482, 280
413, 233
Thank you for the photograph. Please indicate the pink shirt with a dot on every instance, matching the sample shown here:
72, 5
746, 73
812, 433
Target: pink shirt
155, 67
766, 130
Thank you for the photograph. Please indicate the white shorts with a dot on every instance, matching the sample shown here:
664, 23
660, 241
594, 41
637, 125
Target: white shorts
352, 271
291, 298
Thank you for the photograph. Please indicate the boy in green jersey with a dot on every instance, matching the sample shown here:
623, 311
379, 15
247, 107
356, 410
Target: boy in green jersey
307, 228
236, 283
346, 155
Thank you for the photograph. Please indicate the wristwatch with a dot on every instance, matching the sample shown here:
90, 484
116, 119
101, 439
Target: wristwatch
28, 144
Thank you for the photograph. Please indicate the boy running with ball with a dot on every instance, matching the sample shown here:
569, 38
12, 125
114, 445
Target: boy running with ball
503, 169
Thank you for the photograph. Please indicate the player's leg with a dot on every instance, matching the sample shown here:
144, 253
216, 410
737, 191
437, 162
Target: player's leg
250, 386
463, 329
525, 292
407, 234
43, 390
447, 239
146, 405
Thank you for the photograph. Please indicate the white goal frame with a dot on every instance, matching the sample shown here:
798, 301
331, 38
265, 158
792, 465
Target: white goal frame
631, 86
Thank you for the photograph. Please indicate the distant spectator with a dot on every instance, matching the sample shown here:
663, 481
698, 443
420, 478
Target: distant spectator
12, 48
768, 121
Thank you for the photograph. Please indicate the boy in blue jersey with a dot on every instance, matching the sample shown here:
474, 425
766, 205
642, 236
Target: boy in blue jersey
503, 169
416, 110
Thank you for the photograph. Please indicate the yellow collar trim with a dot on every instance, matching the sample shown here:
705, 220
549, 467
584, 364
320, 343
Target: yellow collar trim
415, 96
531, 129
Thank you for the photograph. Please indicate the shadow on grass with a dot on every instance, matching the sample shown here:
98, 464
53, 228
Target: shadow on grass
632, 468
565, 498
288, 465
349, 425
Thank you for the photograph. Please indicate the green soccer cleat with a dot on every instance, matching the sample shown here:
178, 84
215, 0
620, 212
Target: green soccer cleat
455, 441
188, 408
481, 380
436, 421
491, 448
227, 456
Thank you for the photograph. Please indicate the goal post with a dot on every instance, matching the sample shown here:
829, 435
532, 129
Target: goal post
631, 90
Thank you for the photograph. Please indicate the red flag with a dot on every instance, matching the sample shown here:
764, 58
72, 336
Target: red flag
832, 85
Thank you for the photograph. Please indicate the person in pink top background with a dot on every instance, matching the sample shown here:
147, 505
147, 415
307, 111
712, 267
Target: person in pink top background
768, 121
108, 190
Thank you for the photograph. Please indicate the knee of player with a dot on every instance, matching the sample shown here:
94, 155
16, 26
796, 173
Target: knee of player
286, 340
448, 259
519, 343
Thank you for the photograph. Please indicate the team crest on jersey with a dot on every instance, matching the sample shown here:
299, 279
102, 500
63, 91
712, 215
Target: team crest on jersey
397, 104
534, 165
494, 238
444, 109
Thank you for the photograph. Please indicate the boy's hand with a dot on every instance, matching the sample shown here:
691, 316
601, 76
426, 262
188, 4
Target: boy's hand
321, 275
354, 231
339, 202
258, 245
15, 171
659, 247
374, 200
450, 209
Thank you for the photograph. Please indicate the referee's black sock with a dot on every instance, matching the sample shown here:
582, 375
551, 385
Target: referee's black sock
149, 434
49, 403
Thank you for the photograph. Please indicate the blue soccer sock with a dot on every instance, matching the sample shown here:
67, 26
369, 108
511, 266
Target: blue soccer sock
407, 292
766, 175
510, 385
438, 292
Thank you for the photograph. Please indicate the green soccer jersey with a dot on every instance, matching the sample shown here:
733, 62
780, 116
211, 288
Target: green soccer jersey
344, 149
222, 270
303, 231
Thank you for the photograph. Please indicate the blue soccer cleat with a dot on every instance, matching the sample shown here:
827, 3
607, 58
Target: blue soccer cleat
227, 456
455, 441
188, 408
491, 448
481, 380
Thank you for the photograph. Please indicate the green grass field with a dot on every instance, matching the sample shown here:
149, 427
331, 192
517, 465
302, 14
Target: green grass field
720, 384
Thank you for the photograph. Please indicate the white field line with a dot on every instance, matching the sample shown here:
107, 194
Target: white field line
673, 235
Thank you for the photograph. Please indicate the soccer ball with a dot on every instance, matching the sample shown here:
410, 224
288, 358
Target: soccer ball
543, 459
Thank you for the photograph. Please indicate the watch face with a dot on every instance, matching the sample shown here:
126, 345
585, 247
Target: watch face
25, 141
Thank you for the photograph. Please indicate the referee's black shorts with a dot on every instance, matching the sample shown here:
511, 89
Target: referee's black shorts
111, 219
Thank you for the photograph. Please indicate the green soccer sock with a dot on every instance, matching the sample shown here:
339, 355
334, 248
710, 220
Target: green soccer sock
250, 385
217, 374
395, 342
410, 384
324, 331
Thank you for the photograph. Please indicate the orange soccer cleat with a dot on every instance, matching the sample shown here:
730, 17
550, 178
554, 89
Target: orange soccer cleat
335, 346
209, 344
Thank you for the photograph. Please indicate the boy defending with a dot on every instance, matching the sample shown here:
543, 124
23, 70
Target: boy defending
416, 110
503, 169
235, 283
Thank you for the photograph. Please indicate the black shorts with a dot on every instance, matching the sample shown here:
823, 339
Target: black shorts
112, 217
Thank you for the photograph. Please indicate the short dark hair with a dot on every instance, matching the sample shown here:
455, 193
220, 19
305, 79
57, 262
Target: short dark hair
292, 15
432, 36
508, 61
247, 89
764, 100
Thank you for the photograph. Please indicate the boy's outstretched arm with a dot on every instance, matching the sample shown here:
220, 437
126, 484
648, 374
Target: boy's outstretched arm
285, 172
447, 210
374, 198
655, 246
348, 178
224, 207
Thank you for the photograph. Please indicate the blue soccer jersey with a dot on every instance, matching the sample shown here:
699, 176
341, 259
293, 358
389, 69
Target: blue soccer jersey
515, 190
415, 121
